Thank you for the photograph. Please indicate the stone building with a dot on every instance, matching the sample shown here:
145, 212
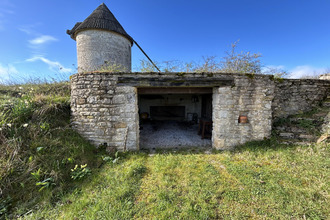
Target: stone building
325, 76
131, 111
101, 42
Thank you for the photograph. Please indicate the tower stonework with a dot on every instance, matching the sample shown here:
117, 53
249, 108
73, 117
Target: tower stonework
102, 43
101, 49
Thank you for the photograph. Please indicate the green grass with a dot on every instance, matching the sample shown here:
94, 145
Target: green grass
259, 180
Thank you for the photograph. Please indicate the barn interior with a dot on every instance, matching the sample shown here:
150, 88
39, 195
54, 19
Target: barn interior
175, 117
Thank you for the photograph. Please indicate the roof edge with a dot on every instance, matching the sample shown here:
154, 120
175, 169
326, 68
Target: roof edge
74, 35
100, 19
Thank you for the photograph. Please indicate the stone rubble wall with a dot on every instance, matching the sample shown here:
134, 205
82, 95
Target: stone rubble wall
103, 112
251, 97
105, 105
294, 96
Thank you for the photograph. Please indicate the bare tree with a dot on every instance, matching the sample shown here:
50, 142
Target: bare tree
146, 66
233, 62
209, 64
276, 71
242, 62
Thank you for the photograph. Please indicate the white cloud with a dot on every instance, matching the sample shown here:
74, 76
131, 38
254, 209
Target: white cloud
7, 3
3, 14
6, 72
42, 39
271, 69
3, 20
53, 65
30, 28
25, 30
305, 71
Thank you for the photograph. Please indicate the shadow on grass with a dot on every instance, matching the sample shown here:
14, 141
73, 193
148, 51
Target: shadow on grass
271, 144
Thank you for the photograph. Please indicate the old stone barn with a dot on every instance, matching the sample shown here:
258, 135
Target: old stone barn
132, 111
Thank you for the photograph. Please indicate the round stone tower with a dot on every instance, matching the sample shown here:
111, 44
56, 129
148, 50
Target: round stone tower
102, 43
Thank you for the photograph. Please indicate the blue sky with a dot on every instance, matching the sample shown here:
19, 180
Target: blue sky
292, 34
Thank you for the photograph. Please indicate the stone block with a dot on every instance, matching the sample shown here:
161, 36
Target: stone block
106, 101
119, 137
287, 135
103, 110
306, 136
132, 146
119, 99
219, 144
222, 114
131, 98
125, 89
120, 125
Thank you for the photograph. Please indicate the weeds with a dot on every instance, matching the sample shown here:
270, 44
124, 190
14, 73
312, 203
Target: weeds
34, 138
309, 123
78, 173
5, 205
46, 183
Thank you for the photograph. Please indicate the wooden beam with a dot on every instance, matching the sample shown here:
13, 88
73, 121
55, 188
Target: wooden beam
175, 90
174, 81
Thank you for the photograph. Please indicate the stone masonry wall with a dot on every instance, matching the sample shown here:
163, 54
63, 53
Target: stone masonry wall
96, 47
293, 96
105, 105
251, 97
103, 112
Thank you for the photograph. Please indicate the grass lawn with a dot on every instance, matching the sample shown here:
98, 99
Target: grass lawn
260, 180
43, 173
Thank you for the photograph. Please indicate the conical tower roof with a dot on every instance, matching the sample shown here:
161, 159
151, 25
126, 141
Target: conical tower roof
101, 18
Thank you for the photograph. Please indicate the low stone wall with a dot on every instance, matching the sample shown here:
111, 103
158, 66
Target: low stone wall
294, 96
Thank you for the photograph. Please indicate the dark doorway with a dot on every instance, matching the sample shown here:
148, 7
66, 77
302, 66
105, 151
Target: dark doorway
169, 117
207, 106
167, 112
